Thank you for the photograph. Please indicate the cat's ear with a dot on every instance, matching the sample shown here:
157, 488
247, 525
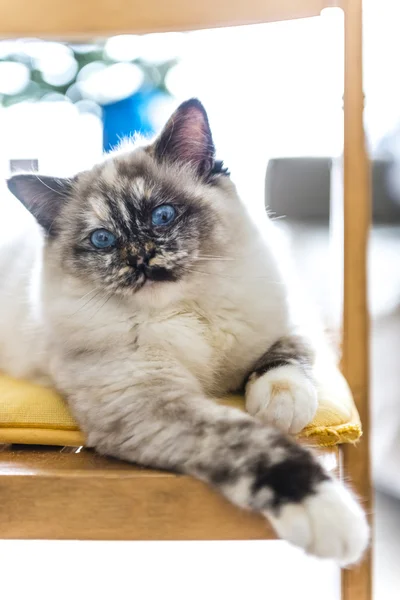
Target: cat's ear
186, 138
42, 196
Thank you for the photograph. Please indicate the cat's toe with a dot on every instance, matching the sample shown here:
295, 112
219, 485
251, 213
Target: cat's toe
328, 524
284, 397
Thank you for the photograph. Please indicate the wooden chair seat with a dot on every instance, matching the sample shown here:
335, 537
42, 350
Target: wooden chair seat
73, 493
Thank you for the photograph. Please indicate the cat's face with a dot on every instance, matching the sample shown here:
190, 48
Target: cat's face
145, 216
132, 221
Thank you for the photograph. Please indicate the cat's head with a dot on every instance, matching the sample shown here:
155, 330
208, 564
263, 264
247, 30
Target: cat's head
146, 214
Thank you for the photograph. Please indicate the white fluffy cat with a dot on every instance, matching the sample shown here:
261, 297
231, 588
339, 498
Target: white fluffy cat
142, 291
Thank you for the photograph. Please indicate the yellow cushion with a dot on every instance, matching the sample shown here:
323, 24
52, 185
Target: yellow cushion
31, 414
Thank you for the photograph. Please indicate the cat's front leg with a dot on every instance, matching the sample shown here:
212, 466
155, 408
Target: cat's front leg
280, 390
153, 412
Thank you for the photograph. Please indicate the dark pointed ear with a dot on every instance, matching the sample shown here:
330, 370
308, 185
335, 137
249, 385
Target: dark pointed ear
186, 138
42, 196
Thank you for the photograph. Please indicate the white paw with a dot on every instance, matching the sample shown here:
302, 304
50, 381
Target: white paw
329, 524
284, 397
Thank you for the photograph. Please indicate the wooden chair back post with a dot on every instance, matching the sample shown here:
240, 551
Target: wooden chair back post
357, 583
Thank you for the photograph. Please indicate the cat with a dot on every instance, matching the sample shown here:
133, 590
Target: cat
141, 291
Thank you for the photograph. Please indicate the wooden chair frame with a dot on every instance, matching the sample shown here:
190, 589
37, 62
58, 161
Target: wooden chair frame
42, 490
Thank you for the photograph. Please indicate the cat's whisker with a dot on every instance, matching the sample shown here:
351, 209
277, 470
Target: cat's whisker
103, 305
242, 256
217, 258
48, 186
277, 218
87, 294
235, 277
220, 257
214, 256
87, 302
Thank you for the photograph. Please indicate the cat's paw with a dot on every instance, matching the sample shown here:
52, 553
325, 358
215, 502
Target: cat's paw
284, 397
328, 524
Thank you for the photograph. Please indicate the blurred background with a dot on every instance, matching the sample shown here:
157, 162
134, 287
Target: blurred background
274, 97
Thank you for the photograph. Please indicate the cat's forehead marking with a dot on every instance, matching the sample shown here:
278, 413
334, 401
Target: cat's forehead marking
139, 187
125, 187
123, 210
129, 177
99, 207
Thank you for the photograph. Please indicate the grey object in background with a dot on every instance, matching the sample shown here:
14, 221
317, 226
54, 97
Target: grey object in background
299, 188
29, 164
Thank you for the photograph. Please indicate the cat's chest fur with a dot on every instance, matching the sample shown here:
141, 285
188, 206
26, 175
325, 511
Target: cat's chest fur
218, 345
205, 344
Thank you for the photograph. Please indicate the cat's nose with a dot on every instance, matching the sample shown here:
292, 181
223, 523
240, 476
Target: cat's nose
142, 258
136, 260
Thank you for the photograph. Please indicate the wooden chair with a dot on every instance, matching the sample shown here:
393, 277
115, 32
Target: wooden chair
53, 494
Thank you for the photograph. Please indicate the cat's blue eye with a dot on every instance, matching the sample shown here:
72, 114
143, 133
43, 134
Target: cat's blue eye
163, 215
101, 238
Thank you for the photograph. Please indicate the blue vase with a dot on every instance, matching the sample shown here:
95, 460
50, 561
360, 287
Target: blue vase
126, 117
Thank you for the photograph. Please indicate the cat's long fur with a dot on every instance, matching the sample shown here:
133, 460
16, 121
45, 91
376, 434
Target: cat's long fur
140, 352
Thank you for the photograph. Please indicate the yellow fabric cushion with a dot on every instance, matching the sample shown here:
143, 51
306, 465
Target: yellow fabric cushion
31, 414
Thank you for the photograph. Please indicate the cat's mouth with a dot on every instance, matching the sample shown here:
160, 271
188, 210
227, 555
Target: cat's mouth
158, 274
150, 275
